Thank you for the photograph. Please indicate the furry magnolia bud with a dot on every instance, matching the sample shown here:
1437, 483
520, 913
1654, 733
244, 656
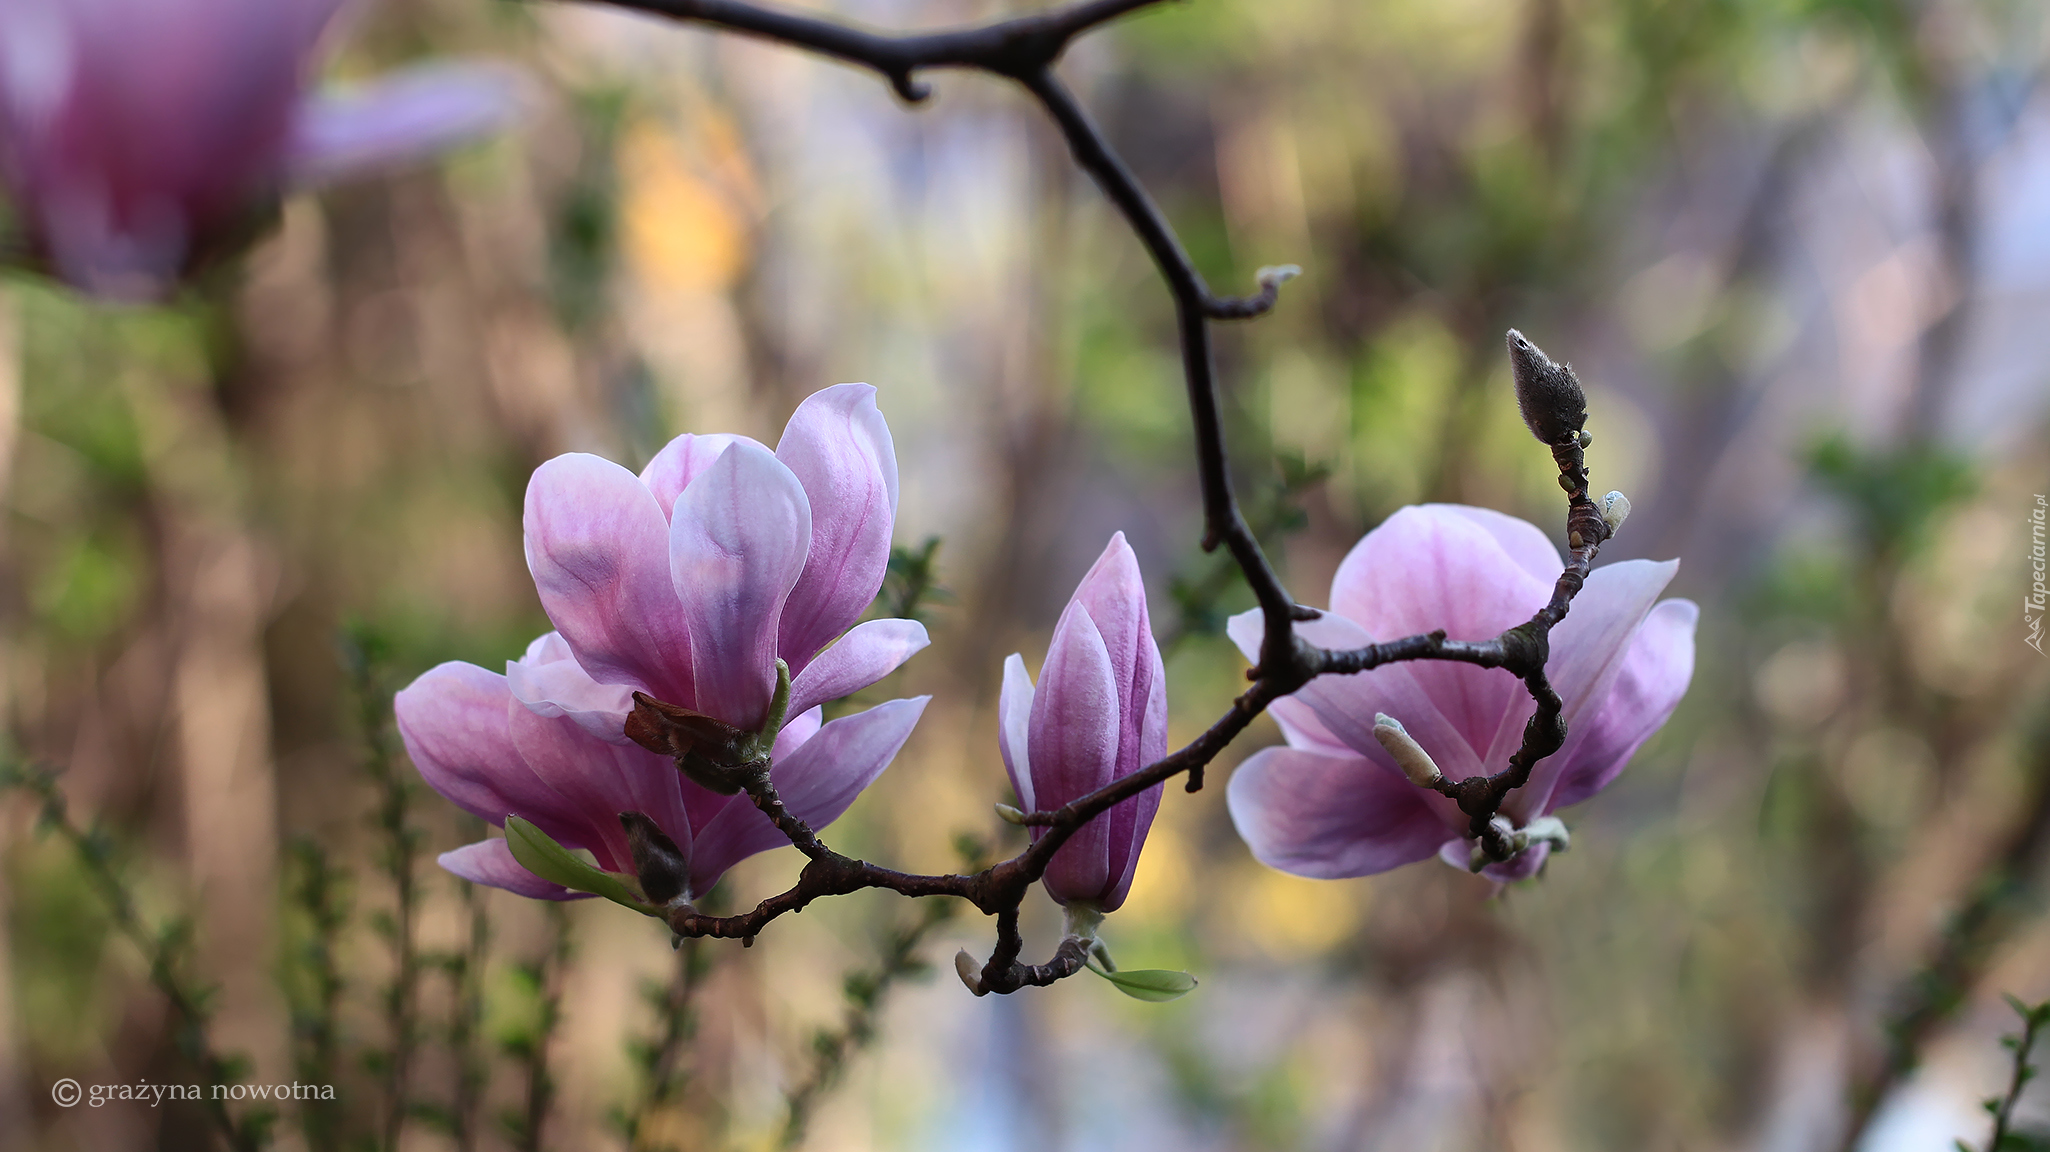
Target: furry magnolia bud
1409, 755
1549, 395
1615, 509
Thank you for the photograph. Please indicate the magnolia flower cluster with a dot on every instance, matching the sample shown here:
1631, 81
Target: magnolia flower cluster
139, 136
726, 574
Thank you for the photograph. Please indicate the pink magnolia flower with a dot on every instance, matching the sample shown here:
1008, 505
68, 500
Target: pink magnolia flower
1333, 803
687, 582
1098, 715
137, 134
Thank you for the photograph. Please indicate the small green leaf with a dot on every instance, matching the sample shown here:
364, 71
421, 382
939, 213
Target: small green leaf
538, 853
1154, 985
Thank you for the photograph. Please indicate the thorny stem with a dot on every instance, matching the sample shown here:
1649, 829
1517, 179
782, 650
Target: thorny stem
1025, 50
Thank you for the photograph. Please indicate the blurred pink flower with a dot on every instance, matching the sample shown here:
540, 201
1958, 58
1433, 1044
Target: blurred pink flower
137, 135
687, 582
1099, 714
1332, 802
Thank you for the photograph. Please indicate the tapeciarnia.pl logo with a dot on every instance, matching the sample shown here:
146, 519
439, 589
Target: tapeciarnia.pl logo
2038, 598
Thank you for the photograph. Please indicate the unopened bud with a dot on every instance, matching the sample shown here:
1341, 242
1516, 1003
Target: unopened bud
1275, 275
1547, 393
969, 971
659, 864
1010, 815
1615, 509
1409, 755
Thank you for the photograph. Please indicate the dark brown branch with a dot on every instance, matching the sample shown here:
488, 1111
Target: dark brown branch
1025, 50
1007, 48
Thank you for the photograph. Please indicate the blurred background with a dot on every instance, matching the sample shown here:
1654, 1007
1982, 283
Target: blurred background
1799, 250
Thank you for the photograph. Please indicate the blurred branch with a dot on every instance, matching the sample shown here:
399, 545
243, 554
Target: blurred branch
865, 991
468, 1017
912, 582
317, 892
363, 656
1996, 905
662, 1082
543, 980
162, 947
2034, 1020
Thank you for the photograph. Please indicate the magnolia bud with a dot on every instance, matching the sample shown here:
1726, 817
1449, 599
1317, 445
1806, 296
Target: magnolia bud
1409, 755
1615, 509
1548, 394
1010, 815
659, 864
969, 971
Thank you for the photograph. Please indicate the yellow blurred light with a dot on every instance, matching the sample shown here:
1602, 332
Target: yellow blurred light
680, 233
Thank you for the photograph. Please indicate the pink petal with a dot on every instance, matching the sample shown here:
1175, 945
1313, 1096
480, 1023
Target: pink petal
556, 685
597, 545
1328, 817
1014, 725
866, 654
682, 459
1588, 650
491, 863
1442, 566
838, 446
1074, 748
453, 720
1438, 566
593, 782
401, 117
1298, 721
737, 542
797, 730
1130, 820
818, 783
1654, 677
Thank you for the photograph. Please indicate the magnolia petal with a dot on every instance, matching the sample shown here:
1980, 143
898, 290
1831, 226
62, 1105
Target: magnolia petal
1114, 595
1073, 738
818, 783
737, 541
402, 117
1588, 651
681, 461
1346, 705
1521, 541
1014, 726
869, 652
593, 782
560, 687
1654, 677
1429, 567
797, 730
491, 863
1329, 816
1437, 566
838, 446
1131, 820
454, 722
599, 551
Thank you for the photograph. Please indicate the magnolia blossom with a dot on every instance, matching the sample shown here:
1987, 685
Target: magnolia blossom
1099, 714
136, 134
1334, 803
688, 582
